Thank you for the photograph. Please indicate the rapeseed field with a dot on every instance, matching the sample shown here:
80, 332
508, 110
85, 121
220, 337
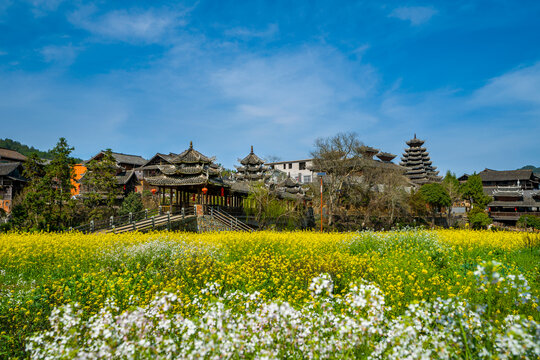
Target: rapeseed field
412, 293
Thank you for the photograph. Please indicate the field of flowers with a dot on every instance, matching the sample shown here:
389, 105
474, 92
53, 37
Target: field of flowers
378, 295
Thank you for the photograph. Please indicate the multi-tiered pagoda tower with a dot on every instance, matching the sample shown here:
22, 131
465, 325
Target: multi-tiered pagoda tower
252, 168
419, 166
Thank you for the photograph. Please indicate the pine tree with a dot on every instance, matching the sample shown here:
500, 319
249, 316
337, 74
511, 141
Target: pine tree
101, 184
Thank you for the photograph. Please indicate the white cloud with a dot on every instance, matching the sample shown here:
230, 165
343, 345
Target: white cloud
245, 33
128, 25
520, 86
42, 7
60, 55
417, 15
295, 89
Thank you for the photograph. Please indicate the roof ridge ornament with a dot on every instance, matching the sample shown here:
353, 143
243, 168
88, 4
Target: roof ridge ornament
191, 144
251, 149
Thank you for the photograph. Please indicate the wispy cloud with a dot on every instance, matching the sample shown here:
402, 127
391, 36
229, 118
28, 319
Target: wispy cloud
60, 55
520, 87
417, 15
245, 33
42, 7
128, 25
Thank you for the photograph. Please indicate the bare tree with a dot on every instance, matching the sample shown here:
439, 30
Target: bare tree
340, 158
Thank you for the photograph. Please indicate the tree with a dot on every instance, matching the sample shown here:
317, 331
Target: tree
132, 204
100, 184
58, 179
478, 218
268, 209
339, 157
46, 202
436, 196
451, 184
473, 191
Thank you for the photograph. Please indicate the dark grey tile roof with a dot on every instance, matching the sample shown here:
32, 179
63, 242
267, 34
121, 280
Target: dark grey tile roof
8, 154
123, 179
251, 159
505, 175
8, 168
124, 158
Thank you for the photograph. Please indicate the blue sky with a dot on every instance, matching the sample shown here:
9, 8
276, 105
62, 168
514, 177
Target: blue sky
146, 77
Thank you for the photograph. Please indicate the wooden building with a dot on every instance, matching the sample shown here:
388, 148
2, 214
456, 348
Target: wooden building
127, 173
252, 168
514, 192
420, 169
11, 183
190, 178
7, 155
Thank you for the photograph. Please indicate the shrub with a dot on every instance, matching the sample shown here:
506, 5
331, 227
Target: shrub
529, 221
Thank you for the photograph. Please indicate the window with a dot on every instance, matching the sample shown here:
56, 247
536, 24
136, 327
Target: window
302, 165
284, 166
290, 165
307, 179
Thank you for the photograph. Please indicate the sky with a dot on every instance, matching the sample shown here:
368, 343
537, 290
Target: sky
142, 77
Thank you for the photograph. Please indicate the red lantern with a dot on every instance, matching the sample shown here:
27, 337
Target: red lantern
154, 191
124, 187
204, 190
222, 192
193, 199
515, 209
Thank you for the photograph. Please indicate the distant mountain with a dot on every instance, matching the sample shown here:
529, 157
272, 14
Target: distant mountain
25, 149
535, 170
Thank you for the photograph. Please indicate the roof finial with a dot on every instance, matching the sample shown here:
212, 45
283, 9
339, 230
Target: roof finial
415, 135
191, 144
252, 149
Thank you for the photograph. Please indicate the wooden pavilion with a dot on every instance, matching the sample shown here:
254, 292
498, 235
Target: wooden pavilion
192, 178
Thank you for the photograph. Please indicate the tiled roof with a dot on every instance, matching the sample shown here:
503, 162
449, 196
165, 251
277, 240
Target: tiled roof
7, 154
8, 167
505, 175
251, 159
124, 178
124, 158
191, 156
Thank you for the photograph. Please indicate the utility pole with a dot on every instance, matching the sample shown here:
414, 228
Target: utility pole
320, 175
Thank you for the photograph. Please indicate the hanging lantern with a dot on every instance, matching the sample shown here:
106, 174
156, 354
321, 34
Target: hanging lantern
154, 191
193, 199
515, 209
204, 190
124, 187
222, 192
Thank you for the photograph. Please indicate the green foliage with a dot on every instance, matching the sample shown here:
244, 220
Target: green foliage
27, 150
472, 190
478, 218
132, 204
100, 183
46, 202
417, 204
435, 195
529, 221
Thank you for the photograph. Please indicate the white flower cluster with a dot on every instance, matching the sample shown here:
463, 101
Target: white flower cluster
241, 325
490, 279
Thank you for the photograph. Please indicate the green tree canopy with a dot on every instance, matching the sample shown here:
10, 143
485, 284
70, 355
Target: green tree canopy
473, 191
101, 187
435, 195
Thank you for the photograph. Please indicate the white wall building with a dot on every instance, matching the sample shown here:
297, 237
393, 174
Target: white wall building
296, 169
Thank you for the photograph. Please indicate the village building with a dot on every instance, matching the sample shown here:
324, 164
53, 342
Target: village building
7, 155
11, 183
300, 170
127, 173
252, 168
418, 163
189, 178
514, 193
